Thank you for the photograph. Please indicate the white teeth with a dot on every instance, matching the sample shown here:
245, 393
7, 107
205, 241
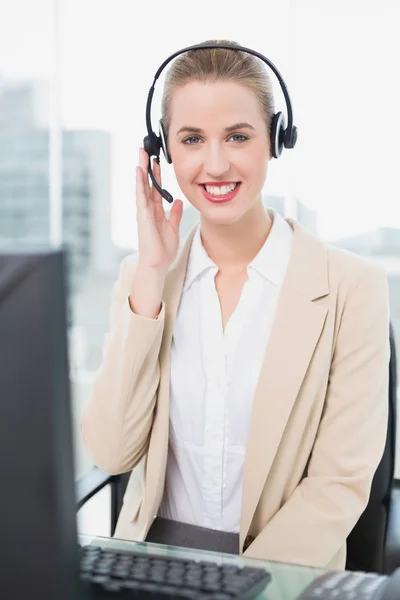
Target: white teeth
220, 190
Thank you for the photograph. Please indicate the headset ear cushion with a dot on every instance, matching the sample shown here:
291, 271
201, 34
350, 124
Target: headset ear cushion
291, 138
278, 126
152, 145
164, 142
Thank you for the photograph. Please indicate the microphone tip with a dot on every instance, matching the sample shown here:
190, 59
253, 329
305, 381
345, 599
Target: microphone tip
168, 196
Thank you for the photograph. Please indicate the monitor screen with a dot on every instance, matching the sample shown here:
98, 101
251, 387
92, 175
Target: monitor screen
37, 499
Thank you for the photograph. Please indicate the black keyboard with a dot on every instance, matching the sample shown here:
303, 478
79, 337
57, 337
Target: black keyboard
115, 574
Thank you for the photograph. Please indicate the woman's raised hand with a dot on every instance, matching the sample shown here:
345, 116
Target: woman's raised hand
158, 236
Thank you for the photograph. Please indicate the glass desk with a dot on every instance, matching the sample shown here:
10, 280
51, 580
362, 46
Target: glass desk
288, 581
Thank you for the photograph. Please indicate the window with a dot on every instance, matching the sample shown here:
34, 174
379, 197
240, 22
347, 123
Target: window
26, 38
337, 57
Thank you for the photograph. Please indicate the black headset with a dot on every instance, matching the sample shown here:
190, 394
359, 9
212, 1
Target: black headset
281, 135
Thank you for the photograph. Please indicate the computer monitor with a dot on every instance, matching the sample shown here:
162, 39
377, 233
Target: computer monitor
38, 557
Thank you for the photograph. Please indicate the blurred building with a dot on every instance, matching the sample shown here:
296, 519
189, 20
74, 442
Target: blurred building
24, 184
92, 258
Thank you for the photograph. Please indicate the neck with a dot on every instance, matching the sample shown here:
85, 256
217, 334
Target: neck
235, 245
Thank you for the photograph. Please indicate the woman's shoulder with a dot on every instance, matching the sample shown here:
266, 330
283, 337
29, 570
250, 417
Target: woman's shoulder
344, 267
345, 264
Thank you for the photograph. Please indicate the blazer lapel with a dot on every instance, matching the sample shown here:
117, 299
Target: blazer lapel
295, 332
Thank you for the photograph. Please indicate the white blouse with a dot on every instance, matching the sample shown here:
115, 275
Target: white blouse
213, 379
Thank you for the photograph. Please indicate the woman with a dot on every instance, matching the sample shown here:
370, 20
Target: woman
245, 376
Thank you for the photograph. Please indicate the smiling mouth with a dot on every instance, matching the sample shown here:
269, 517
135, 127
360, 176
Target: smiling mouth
223, 196
219, 187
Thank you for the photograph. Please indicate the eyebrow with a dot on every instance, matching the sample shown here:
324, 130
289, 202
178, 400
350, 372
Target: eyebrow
229, 129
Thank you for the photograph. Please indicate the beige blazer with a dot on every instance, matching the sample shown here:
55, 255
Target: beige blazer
320, 410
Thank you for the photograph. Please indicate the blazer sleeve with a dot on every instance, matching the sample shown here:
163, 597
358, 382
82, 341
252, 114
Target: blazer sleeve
312, 526
118, 415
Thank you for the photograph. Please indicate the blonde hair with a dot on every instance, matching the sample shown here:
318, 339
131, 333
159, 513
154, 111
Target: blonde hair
219, 64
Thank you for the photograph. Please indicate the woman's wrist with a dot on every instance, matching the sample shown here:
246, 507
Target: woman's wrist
147, 290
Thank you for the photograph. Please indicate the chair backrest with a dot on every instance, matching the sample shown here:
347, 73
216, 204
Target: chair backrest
366, 542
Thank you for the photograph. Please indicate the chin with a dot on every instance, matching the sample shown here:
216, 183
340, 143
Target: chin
222, 217
217, 214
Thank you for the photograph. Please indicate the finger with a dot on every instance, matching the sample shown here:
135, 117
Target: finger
156, 196
144, 163
141, 196
175, 214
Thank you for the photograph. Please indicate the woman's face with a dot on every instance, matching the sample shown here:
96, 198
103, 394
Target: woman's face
218, 135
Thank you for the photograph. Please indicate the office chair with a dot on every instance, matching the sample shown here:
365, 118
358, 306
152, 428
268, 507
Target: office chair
374, 543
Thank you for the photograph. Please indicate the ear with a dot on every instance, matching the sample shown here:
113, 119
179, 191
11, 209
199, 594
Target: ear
270, 148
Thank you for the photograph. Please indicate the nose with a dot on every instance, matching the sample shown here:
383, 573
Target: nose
216, 160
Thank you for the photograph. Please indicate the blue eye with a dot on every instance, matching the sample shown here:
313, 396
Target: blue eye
244, 137
192, 137
187, 141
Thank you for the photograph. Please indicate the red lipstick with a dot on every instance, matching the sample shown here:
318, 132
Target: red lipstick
219, 199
